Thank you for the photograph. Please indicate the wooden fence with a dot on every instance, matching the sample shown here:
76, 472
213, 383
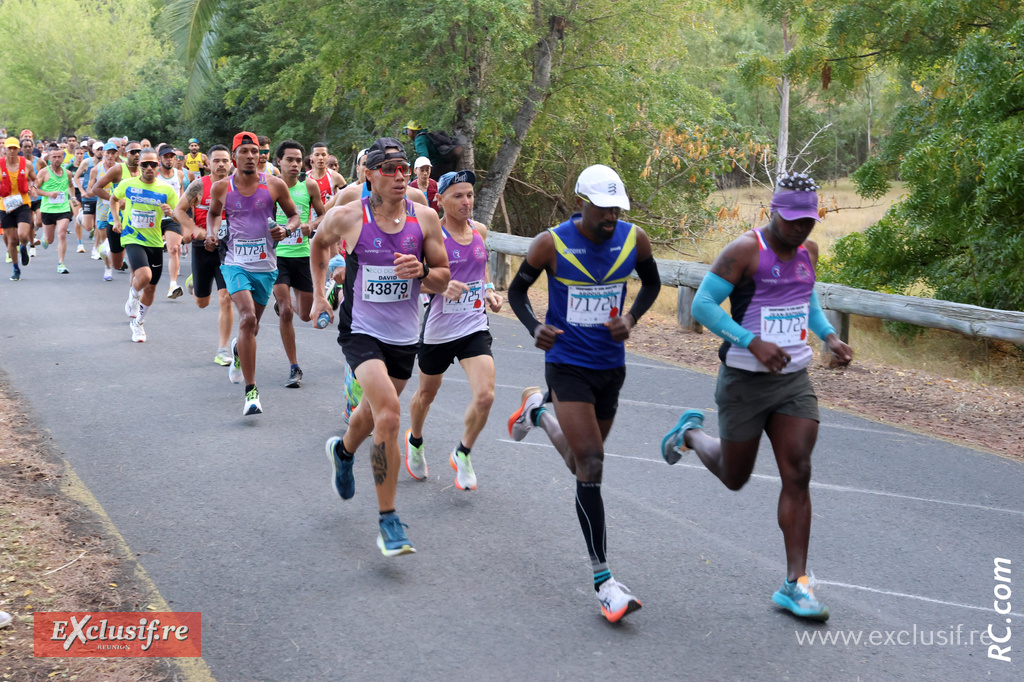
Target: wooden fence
838, 301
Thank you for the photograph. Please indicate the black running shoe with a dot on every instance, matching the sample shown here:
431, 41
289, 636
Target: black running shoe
295, 378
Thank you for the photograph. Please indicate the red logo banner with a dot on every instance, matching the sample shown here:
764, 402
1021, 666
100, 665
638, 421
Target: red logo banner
118, 634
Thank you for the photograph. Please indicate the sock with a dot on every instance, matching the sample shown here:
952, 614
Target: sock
791, 582
535, 416
590, 511
385, 513
174, 283
142, 313
415, 442
295, 366
340, 450
249, 387
136, 293
463, 449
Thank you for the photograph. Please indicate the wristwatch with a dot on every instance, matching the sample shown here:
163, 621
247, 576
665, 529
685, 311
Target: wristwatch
426, 269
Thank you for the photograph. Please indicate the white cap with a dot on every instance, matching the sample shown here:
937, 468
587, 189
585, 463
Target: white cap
602, 187
421, 162
98, 146
361, 154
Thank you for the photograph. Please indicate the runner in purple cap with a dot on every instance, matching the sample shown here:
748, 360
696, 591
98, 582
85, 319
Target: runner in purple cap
768, 276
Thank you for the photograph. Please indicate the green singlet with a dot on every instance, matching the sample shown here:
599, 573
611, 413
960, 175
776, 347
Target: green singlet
296, 244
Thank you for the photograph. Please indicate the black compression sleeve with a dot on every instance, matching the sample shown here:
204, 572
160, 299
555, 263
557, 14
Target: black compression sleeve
650, 285
520, 300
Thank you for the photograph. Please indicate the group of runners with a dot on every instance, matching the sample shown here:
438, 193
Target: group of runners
410, 287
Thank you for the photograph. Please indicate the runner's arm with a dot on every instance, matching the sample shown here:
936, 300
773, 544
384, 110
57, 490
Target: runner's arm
180, 216
111, 176
279, 192
539, 258
76, 181
433, 272
213, 215
491, 297
317, 203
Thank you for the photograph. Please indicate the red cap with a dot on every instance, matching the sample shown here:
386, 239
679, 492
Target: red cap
244, 138
26, 133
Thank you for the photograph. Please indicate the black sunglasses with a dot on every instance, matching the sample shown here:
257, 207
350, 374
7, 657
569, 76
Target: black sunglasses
149, 164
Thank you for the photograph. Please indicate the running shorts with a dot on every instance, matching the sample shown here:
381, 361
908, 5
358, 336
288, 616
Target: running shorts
113, 238
168, 225
436, 358
36, 204
295, 273
145, 257
89, 207
358, 348
53, 218
747, 400
10, 219
205, 271
576, 384
261, 284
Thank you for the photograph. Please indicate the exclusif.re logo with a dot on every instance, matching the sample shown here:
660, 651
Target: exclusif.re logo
118, 634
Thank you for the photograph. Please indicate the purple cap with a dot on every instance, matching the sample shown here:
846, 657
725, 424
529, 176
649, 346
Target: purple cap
796, 205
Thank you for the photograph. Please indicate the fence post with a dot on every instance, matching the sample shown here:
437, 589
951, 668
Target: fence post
499, 265
684, 317
841, 322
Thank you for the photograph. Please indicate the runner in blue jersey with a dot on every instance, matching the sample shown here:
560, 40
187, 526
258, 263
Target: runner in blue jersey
587, 259
768, 276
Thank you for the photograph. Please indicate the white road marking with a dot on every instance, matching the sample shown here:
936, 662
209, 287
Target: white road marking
913, 596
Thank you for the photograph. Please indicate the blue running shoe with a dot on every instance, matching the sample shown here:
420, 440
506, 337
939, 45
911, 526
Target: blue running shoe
24, 255
798, 598
16, 277
672, 445
344, 481
391, 539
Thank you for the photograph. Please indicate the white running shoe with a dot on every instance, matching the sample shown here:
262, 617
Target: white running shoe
81, 248
131, 306
5, 619
465, 479
252, 403
235, 368
32, 252
175, 291
616, 601
108, 274
520, 423
95, 255
415, 463
138, 333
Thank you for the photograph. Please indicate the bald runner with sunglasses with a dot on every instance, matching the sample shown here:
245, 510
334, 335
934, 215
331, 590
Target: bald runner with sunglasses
395, 248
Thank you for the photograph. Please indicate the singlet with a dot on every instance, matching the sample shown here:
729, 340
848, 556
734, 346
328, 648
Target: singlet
142, 212
376, 302
192, 162
56, 183
174, 181
101, 170
13, 180
774, 306
326, 190
249, 243
449, 320
588, 289
295, 244
85, 174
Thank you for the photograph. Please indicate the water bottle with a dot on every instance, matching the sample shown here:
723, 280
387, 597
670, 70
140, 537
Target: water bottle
323, 320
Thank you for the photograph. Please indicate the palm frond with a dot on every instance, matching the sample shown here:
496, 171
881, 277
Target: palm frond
192, 26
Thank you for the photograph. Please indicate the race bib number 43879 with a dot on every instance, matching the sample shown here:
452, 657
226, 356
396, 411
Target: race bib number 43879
382, 285
784, 325
591, 305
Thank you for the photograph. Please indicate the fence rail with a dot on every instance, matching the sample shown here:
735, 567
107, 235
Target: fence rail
838, 301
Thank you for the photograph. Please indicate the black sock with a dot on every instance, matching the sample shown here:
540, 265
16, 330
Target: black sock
385, 513
249, 387
463, 449
339, 449
590, 511
415, 442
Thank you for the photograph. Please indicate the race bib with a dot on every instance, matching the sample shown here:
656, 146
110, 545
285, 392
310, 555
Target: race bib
250, 250
61, 198
784, 325
382, 285
469, 301
143, 220
593, 305
12, 202
293, 238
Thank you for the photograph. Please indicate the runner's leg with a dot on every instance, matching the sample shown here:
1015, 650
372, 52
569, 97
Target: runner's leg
793, 440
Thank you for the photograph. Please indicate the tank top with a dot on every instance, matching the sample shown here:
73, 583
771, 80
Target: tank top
60, 184
91, 163
296, 244
174, 181
377, 302
250, 245
12, 183
449, 320
774, 306
587, 290
192, 162
101, 170
324, 184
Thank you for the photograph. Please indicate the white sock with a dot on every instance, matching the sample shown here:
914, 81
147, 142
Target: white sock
136, 293
142, 313
174, 283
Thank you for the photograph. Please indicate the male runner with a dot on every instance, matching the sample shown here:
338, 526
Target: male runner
17, 176
264, 166
332, 164
395, 247
37, 165
109, 243
196, 163
171, 229
768, 275
247, 198
69, 150
293, 252
114, 174
72, 165
94, 153
588, 259
456, 327
361, 188
146, 201
329, 181
55, 189
206, 264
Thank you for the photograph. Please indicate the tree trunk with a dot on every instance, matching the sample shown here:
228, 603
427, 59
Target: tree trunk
871, 113
467, 110
508, 153
783, 144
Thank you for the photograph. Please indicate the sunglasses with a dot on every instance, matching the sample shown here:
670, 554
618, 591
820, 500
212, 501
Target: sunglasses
179, 158
134, 151
264, 152
149, 164
392, 168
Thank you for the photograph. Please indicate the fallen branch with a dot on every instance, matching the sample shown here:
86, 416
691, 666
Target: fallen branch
68, 563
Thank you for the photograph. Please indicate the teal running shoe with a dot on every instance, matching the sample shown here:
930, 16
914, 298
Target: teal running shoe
391, 539
672, 445
343, 481
798, 598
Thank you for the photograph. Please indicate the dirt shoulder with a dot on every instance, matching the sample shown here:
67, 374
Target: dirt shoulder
967, 413
55, 555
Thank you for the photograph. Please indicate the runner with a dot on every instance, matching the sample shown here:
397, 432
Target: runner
112, 177
196, 163
88, 198
206, 264
110, 248
171, 230
456, 327
395, 246
587, 259
55, 189
70, 148
37, 164
329, 181
361, 188
768, 275
72, 166
15, 187
146, 201
424, 183
250, 263
293, 252
332, 164
264, 165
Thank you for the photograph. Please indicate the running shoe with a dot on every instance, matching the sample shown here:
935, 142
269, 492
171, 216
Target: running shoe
175, 291
343, 481
672, 445
62, 269
108, 274
5, 619
798, 598
7, 257
235, 370
45, 244
252, 402
81, 248
31, 253
353, 391
24, 254
415, 464
391, 539
138, 333
223, 357
294, 379
465, 479
189, 287
616, 601
16, 277
332, 294
277, 309
131, 306
520, 423
124, 266
95, 255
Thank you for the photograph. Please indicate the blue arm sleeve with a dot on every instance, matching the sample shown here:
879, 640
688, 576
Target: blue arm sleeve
816, 319
707, 309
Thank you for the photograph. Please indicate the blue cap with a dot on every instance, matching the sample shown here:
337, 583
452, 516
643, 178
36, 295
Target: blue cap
455, 177
193, 140
110, 146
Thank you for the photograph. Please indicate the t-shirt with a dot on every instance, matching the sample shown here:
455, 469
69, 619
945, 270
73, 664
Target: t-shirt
142, 213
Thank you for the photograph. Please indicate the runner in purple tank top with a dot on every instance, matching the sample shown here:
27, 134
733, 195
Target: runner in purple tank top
249, 200
768, 275
456, 328
395, 248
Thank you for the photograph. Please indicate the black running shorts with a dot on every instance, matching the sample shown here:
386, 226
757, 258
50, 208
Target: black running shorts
54, 218
205, 271
145, 257
576, 384
358, 348
10, 219
36, 204
168, 225
435, 358
89, 207
295, 273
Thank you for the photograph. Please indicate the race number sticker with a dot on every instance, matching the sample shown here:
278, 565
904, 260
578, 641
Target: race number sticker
382, 285
293, 238
593, 305
12, 202
60, 198
469, 301
143, 220
784, 325
250, 250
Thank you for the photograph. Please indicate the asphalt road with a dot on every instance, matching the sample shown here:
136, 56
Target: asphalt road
235, 517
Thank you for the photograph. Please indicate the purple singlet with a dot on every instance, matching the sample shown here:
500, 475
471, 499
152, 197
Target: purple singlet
250, 245
450, 320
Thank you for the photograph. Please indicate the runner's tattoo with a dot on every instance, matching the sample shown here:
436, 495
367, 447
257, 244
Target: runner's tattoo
194, 191
379, 460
